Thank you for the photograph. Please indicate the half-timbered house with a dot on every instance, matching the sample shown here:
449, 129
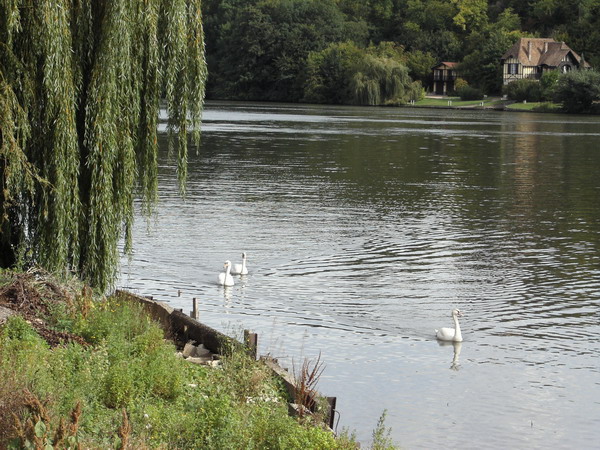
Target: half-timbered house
530, 57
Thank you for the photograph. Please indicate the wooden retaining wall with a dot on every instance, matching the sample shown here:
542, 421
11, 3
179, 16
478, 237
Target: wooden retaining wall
183, 328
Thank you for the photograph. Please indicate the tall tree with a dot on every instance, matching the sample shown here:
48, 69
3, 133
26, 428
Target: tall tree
481, 66
344, 73
472, 14
80, 84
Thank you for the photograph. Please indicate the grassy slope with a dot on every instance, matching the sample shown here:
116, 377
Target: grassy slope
127, 387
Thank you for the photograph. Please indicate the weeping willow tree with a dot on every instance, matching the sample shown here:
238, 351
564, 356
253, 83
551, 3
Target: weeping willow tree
80, 86
345, 73
380, 80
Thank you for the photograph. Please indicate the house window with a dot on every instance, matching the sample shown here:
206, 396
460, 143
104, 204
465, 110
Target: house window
513, 68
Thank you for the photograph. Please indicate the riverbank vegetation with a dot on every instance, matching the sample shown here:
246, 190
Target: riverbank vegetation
572, 92
324, 50
80, 372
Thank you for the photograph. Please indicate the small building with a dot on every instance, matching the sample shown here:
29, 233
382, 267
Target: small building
530, 57
444, 76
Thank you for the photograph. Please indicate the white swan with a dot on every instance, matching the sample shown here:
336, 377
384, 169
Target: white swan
225, 278
451, 334
240, 269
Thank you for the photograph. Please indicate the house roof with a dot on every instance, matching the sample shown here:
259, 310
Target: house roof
540, 51
450, 65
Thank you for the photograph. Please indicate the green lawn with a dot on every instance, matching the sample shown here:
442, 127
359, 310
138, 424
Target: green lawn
455, 101
534, 106
489, 102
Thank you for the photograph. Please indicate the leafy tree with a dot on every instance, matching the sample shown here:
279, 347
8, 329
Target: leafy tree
584, 34
344, 73
472, 14
521, 90
380, 81
481, 66
428, 26
419, 65
328, 72
460, 83
548, 83
578, 91
80, 83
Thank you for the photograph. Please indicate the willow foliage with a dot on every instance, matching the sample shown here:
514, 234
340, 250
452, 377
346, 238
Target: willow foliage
80, 86
345, 73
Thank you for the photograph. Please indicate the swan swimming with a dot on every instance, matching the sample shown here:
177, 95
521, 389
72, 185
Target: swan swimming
451, 334
225, 278
240, 269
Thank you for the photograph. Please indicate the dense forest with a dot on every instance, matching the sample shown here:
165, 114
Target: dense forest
376, 51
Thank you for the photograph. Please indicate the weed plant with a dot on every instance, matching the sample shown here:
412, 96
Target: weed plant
129, 389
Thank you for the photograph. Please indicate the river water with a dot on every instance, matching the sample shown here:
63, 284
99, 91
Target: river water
364, 227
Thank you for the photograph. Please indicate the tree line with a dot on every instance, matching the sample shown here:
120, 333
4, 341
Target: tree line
376, 51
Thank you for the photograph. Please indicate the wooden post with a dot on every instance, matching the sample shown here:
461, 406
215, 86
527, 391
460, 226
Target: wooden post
195, 312
331, 413
251, 342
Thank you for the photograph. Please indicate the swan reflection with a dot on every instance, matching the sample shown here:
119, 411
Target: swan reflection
227, 297
455, 365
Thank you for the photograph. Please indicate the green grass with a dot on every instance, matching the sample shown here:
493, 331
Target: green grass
493, 102
129, 389
456, 102
535, 106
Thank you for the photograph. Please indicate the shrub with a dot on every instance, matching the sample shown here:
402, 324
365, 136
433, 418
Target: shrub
119, 385
578, 91
524, 90
548, 84
470, 93
17, 329
381, 435
460, 83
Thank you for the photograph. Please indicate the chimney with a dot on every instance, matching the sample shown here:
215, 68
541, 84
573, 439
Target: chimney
529, 49
546, 47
